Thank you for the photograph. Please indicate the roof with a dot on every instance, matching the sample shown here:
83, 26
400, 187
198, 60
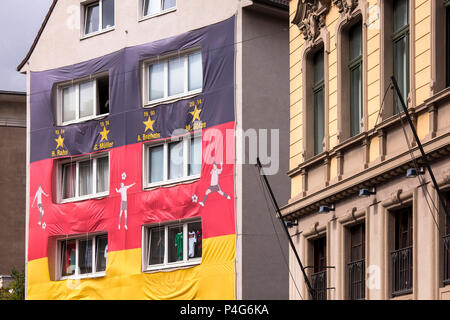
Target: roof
14, 93
282, 4
36, 39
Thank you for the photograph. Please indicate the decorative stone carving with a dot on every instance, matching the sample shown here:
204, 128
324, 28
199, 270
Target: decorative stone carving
346, 6
310, 17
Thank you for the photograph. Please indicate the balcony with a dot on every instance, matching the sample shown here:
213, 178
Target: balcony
402, 271
356, 280
319, 285
447, 259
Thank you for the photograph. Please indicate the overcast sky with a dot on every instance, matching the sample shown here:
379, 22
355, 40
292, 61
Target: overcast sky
20, 21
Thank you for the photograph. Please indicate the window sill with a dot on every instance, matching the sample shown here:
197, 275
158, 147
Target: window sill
150, 16
173, 266
87, 197
81, 120
85, 276
93, 34
172, 99
171, 182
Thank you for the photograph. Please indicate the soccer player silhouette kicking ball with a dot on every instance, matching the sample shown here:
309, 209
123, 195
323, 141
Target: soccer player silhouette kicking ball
38, 197
123, 203
214, 187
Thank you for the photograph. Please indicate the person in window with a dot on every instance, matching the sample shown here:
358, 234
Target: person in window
214, 187
123, 203
40, 207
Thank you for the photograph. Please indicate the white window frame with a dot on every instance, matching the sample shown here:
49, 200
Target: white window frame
76, 84
160, 12
187, 262
186, 139
166, 99
77, 161
77, 275
85, 5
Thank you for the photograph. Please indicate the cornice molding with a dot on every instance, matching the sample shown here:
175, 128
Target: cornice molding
310, 17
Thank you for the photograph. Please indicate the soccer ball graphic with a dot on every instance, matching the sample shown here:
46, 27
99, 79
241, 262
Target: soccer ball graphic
194, 198
44, 226
124, 176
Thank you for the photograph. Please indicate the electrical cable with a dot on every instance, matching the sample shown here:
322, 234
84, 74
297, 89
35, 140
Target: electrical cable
275, 231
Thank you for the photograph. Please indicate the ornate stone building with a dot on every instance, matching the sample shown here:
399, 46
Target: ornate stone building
361, 226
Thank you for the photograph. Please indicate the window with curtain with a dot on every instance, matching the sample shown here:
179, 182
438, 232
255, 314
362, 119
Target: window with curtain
84, 100
175, 77
98, 16
83, 255
84, 178
173, 244
400, 38
355, 69
318, 93
153, 7
174, 161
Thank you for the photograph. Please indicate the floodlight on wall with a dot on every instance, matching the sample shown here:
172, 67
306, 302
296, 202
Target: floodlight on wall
364, 193
291, 224
413, 173
326, 209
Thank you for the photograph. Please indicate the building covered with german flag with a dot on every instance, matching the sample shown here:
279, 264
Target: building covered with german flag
135, 188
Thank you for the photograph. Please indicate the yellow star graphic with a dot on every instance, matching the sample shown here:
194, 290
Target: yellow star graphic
104, 134
196, 114
149, 124
60, 142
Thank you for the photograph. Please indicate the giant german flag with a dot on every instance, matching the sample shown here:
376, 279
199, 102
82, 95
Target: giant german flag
122, 134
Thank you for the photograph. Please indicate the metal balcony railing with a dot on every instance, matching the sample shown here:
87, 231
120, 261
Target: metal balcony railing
447, 259
319, 285
402, 271
356, 280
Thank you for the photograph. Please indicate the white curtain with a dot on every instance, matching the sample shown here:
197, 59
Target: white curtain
176, 160
85, 177
195, 71
69, 180
68, 103
102, 174
86, 99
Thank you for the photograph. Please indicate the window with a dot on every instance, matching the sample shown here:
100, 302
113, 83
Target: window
84, 178
447, 241
400, 38
401, 257
84, 100
83, 256
173, 161
355, 71
174, 77
154, 7
318, 92
173, 245
356, 266
319, 276
98, 16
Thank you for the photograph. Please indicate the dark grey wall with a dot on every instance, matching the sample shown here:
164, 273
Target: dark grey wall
12, 187
266, 106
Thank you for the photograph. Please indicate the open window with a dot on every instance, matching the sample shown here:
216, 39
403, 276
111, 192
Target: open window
83, 99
